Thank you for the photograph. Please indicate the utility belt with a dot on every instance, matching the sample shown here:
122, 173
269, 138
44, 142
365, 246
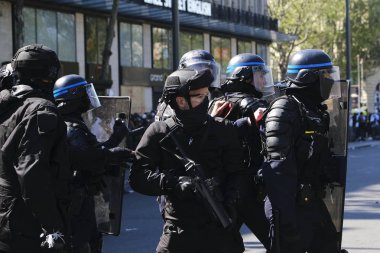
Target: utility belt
308, 192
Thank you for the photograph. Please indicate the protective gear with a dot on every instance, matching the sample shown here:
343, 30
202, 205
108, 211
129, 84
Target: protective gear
249, 71
115, 111
193, 118
72, 93
185, 188
36, 65
201, 59
6, 80
180, 82
297, 152
312, 69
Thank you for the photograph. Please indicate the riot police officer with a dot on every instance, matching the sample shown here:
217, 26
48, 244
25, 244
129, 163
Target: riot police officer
296, 157
197, 59
248, 78
178, 157
34, 172
89, 158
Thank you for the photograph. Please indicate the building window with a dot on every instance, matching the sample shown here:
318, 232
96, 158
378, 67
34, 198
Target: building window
244, 46
221, 50
53, 29
261, 50
131, 45
190, 41
95, 39
162, 48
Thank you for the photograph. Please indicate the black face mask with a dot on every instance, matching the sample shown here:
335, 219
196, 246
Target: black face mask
194, 118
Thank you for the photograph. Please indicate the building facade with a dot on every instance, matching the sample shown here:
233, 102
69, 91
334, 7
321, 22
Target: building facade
142, 47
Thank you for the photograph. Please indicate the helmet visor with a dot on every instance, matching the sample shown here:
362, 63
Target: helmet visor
211, 65
330, 83
263, 80
92, 96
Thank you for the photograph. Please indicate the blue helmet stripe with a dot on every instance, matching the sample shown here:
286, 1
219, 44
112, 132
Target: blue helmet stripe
60, 93
293, 71
310, 66
69, 87
232, 67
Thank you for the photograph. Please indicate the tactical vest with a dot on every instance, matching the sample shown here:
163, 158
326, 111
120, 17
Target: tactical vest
311, 144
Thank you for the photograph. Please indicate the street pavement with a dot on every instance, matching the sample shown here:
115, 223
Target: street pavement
142, 223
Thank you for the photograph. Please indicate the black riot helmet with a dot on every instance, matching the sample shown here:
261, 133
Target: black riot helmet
35, 64
199, 59
313, 70
181, 81
248, 73
73, 94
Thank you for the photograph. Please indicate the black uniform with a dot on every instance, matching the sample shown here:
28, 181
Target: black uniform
34, 170
189, 226
251, 210
295, 176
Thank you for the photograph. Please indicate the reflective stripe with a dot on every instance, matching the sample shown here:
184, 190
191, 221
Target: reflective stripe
69, 87
309, 66
60, 93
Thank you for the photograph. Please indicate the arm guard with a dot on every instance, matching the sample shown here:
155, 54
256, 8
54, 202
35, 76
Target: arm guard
281, 125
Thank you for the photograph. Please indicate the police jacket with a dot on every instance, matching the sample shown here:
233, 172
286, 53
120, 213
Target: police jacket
156, 167
296, 152
88, 157
34, 172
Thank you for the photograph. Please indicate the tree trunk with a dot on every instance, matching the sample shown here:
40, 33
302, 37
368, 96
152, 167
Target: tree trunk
19, 23
104, 74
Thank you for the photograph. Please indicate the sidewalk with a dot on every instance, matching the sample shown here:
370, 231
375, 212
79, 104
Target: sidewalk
362, 144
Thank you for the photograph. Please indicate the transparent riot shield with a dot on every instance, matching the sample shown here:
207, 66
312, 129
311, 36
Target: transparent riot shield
338, 135
108, 203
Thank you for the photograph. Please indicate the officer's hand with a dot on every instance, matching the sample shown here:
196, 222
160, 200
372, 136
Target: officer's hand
118, 154
221, 109
54, 242
185, 188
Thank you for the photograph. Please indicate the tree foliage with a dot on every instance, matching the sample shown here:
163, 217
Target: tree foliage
321, 25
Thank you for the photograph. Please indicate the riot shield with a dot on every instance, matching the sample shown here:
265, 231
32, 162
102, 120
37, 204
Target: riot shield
338, 135
108, 203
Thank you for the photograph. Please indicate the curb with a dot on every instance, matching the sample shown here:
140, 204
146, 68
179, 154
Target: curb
367, 145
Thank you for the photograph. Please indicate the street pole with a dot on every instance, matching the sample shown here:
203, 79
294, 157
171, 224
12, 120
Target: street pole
359, 81
348, 41
175, 29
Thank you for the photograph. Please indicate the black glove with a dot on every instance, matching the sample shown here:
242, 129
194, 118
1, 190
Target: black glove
185, 188
118, 155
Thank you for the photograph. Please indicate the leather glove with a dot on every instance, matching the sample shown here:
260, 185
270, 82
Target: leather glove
185, 188
118, 154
